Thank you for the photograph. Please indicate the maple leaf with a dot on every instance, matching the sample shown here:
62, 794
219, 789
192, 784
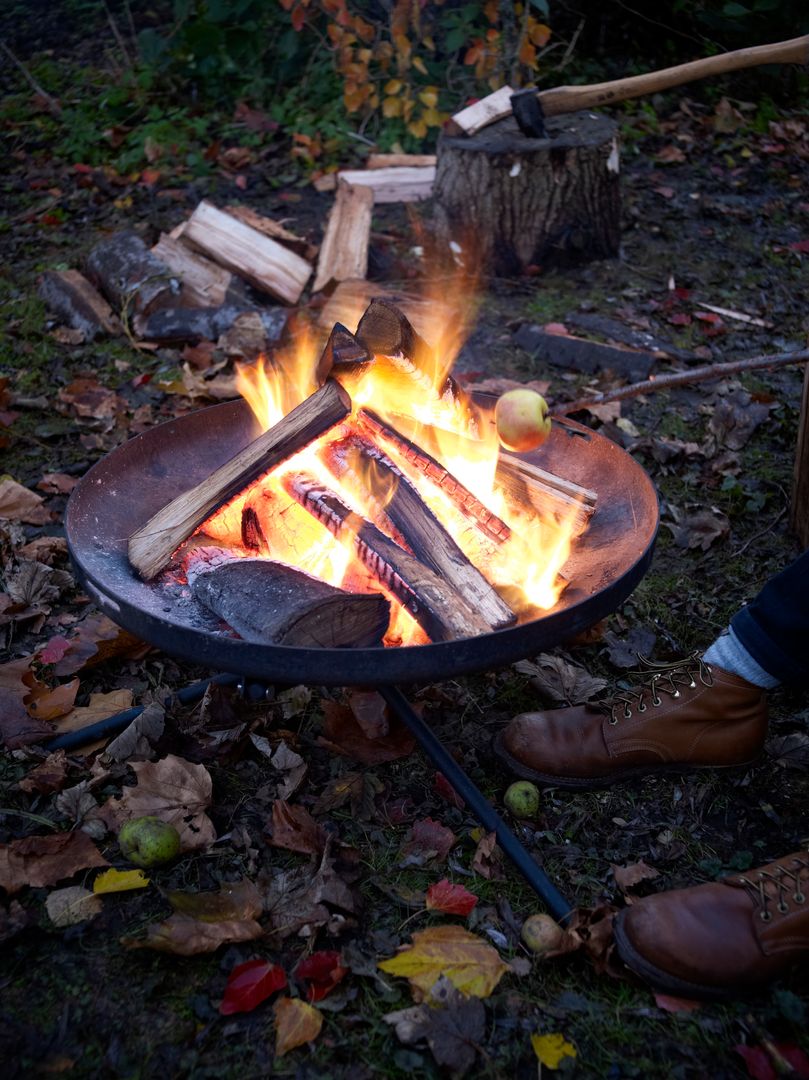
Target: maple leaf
296, 1023
470, 963
452, 1025
44, 860
47, 777
450, 899
560, 680
172, 789
249, 984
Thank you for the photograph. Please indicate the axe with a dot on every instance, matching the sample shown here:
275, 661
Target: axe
530, 106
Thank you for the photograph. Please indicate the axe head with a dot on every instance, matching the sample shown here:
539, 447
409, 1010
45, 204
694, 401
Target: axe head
527, 109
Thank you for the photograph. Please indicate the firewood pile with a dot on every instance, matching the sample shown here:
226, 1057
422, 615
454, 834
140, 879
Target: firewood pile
229, 275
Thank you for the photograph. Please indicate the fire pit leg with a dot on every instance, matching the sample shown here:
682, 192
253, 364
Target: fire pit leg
478, 804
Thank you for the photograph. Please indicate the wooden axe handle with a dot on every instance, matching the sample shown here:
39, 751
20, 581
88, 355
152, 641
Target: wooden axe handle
565, 99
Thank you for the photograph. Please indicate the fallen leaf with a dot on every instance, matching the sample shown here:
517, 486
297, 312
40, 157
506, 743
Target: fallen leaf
96, 639
700, 529
76, 802
561, 680
138, 739
13, 920
296, 1023
172, 789
320, 973
450, 899
627, 877
72, 905
370, 710
17, 727
445, 789
232, 902
790, 751
51, 704
47, 777
292, 766
623, 652
735, 418
43, 860
453, 1026
249, 984
428, 840
487, 860
112, 881
470, 963
670, 155
343, 735
35, 586
185, 936
17, 503
55, 483
294, 828
551, 1050
772, 1060
296, 899
593, 927
671, 1004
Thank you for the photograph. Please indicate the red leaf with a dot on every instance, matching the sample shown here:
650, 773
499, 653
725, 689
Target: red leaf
54, 650
800, 245
680, 319
322, 971
249, 984
449, 898
447, 791
709, 317
761, 1062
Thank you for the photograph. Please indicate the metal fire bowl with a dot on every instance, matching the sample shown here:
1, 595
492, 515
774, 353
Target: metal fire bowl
123, 490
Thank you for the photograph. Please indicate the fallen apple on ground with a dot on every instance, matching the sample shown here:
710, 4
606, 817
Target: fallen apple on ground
522, 420
522, 799
148, 841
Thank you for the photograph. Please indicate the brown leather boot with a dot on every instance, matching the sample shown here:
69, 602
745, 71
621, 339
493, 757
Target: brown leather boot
720, 939
685, 715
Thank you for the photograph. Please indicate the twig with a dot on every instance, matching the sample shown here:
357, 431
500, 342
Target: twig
685, 378
116, 33
762, 532
51, 102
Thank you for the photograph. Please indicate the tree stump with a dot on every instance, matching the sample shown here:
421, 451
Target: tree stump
800, 489
512, 201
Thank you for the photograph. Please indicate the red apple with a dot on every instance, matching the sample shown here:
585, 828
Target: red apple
522, 420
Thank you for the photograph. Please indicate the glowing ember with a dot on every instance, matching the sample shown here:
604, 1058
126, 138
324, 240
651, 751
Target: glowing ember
524, 568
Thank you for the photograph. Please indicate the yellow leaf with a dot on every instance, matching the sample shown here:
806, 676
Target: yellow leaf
469, 962
418, 64
120, 881
540, 34
392, 106
551, 1049
417, 128
433, 118
393, 86
429, 97
296, 1023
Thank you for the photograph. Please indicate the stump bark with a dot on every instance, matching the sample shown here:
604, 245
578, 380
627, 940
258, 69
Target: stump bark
511, 201
800, 489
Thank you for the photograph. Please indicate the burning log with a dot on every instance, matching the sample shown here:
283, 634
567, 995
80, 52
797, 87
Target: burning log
423, 532
343, 354
550, 495
130, 275
150, 547
270, 603
468, 504
440, 610
259, 259
344, 253
350, 299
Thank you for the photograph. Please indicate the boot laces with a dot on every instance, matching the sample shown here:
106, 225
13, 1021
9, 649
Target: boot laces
670, 678
773, 885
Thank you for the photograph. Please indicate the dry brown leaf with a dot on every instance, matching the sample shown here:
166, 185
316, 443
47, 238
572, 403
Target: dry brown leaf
296, 1023
172, 789
51, 704
47, 777
184, 936
469, 962
487, 860
43, 860
72, 905
370, 710
294, 828
627, 877
96, 639
233, 902
453, 1026
428, 840
700, 529
561, 680
136, 741
17, 503
343, 735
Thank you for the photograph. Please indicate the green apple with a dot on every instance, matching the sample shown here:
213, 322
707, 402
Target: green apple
541, 934
522, 420
522, 799
148, 841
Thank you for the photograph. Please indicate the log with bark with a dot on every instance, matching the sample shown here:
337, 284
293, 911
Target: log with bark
258, 258
442, 612
71, 296
270, 603
343, 355
151, 546
130, 276
423, 532
344, 252
193, 324
579, 354
511, 201
204, 283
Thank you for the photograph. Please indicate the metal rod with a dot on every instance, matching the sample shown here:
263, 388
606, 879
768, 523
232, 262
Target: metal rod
113, 725
478, 804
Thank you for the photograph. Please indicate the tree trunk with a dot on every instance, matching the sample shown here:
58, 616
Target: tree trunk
511, 201
800, 489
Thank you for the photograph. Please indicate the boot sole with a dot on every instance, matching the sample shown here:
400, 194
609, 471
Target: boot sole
663, 980
594, 783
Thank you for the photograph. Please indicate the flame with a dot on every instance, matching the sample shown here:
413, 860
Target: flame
448, 424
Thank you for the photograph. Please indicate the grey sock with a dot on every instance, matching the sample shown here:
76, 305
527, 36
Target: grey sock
728, 653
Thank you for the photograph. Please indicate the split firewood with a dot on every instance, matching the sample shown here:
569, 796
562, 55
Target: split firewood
259, 259
425, 535
442, 612
550, 495
189, 324
481, 113
78, 304
275, 231
397, 161
343, 355
270, 603
204, 283
130, 276
406, 184
463, 499
151, 546
344, 253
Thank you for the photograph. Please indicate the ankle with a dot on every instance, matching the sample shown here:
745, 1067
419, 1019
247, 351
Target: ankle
728, 653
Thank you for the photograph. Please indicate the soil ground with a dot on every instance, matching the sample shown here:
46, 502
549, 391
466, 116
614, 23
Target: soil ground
710, 221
